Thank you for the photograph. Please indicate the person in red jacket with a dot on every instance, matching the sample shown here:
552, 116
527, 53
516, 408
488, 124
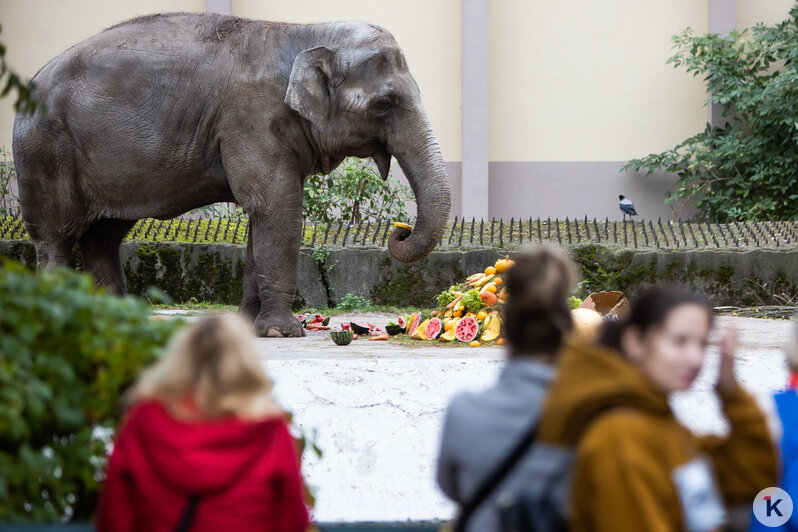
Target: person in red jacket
204, 446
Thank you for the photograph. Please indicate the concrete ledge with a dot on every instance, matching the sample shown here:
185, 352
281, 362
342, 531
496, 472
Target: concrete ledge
214, 272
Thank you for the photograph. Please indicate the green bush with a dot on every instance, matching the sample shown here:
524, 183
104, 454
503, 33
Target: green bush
353, 302
352, 193
67, 352
746, 169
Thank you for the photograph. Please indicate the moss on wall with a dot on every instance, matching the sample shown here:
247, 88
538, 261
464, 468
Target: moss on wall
214, 273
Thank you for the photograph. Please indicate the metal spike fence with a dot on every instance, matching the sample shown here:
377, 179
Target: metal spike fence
465, 234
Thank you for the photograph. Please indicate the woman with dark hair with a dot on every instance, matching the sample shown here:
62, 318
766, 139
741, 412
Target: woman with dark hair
481, 429
635, 466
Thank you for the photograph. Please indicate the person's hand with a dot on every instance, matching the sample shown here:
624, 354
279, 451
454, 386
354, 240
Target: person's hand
727, 343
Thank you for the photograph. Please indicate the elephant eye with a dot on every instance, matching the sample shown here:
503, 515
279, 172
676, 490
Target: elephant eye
382, 105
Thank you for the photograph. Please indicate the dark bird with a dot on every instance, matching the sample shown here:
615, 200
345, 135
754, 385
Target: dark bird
627, 207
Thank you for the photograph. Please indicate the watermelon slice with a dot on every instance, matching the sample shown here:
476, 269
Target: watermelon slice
415, 319
434, 328
360, 329
401, 322
467, 329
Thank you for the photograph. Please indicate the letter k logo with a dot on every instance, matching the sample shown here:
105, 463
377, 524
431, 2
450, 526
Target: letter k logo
773, 506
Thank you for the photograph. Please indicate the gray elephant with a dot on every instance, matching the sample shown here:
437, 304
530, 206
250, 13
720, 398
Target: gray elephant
166, 113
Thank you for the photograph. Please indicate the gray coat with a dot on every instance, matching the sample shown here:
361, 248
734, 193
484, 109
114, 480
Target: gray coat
481, 429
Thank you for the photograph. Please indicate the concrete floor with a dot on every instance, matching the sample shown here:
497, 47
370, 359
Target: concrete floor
377, 408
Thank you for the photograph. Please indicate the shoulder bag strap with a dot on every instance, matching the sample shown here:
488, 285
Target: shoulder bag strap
188, 514
493, 480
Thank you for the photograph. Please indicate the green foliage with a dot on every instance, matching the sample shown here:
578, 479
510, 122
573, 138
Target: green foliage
67, 351
746, 169
352, 302
352, 193
445, 298
471, 301
320, 255
8, 174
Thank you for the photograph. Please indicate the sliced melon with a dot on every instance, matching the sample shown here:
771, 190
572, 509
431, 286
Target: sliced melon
433, 329
448, 336
491, 328
466, 329
421, 330
412, 323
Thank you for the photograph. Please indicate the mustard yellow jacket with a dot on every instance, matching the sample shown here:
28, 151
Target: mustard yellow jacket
629, 445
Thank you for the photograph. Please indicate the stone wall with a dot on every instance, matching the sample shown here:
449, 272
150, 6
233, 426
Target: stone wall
214, 272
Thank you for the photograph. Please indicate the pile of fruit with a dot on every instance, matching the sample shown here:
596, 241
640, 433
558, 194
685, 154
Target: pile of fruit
468, 312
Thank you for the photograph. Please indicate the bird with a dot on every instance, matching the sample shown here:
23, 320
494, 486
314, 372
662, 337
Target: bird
627, 207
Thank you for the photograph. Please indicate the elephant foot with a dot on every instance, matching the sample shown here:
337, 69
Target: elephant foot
278, 326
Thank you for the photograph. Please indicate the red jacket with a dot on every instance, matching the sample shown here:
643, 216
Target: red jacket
246, 475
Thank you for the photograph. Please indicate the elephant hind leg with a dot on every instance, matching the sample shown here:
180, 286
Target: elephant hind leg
99, 247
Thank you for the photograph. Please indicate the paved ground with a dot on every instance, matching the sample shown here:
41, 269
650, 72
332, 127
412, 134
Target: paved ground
377, 408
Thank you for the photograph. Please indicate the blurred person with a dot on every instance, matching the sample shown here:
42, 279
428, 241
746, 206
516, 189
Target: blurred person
781, 412
634, 466
482, 431
204, 446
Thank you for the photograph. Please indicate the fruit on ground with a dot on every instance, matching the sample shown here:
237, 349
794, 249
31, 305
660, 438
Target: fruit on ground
481, 315
421, 330
490, 287
448, 336
433, 329
491, 328
501, 341
490, 270
393, 330
402, 323
503, 264
467, 330
342, 337
449, 324
412, 323
473, 344
488, 298
359, 329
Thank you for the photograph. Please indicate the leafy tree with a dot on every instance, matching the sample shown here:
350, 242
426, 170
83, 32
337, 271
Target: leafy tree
746, 169
67, 351
352, 193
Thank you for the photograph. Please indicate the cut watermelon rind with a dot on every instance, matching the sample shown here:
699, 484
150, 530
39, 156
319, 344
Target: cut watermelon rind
434, 329
467, 329
411, 328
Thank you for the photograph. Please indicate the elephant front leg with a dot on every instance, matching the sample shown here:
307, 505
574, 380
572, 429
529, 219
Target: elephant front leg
275, 254
250, 302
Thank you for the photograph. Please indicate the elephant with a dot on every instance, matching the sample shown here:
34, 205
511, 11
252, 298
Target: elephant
166, 113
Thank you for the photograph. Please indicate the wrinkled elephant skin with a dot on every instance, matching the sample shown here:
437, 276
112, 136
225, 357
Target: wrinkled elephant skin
166, 113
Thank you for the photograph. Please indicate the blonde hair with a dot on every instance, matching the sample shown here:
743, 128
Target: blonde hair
215, 363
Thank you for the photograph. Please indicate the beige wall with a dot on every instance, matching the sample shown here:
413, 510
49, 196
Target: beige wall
749, 12
427, 30
581, 80
35, 31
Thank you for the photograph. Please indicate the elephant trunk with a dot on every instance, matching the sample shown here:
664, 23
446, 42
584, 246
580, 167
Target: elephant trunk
420, 158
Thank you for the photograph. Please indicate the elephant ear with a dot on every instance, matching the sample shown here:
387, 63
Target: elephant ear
308, 87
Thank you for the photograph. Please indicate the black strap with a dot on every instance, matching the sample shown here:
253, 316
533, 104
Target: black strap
188, 514
493, 480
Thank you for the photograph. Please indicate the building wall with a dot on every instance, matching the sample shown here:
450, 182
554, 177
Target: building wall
576, 87
35, 31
